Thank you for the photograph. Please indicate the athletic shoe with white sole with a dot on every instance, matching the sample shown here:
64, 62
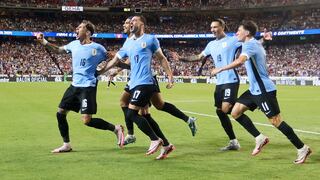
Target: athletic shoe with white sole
154, 146
165, 151
233, 145
260, 143
303, 154
120, 135
129, 139
64, 148
192, 125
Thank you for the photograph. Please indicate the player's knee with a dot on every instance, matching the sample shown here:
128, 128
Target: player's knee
275, 120
235, 113
86, 119
226, 109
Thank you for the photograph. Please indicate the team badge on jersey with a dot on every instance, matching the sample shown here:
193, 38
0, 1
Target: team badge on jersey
94, 52
143, 44
224, 44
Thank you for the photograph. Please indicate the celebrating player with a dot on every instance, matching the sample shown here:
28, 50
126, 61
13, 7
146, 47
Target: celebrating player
262, 92
81, 95
156, 100
223, 51
140, 48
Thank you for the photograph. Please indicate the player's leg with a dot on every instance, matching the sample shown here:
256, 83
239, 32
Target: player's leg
124, 103
114, 84
245, 102
271, 109
89, 107
140, 97
68, 102
167, 147
158, 102
225, 97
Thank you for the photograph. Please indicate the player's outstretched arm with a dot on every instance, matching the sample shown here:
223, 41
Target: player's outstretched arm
236, 63
115, 60
192, 58
165, 65
53, 47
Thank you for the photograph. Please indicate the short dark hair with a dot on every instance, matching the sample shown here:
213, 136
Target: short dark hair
220, 21
130, 17
91, 27
143, 19
250, 26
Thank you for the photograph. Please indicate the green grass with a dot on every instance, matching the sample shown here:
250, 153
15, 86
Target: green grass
28, 131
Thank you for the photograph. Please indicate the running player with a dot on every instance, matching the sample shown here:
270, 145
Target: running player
262, 92
81, 95
223, 51
156, 100
140, 48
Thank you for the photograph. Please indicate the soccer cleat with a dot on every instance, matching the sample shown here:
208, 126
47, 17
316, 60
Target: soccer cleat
154, 146
192, 125
233, 145
64, 148
303, 154
120, 135
260, 142
129, 139
165, 151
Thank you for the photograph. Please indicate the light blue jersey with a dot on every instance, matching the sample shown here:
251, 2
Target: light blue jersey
140, 53
223, 52
85, 59
256, 67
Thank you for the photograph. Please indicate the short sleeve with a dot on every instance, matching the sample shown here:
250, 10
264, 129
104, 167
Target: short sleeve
103, 53
122, 53
206, 51
155, 45
68, 47
247, 50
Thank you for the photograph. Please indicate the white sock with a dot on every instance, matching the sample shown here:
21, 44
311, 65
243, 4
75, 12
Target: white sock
260, 137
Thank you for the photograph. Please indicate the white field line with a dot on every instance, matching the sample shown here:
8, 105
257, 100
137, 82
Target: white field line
260, 124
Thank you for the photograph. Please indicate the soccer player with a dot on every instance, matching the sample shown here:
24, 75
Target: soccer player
81, 95
223, 51
262, 92
139, 49
156, 100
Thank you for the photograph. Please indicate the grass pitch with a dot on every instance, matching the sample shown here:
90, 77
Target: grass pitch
28, 132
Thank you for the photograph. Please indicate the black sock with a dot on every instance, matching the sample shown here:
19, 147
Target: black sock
245, 121
100, 124
63, 127
142, 124
114, 84
226, 124
154, 125
174, 111
129, 123
291, 135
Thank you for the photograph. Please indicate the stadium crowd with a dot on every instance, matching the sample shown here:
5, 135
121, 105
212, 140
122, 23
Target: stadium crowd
157, 3
304, 19
22, 58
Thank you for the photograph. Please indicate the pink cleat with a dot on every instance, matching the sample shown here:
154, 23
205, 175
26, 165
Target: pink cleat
120, 135
154, 146
165, 151
260, 143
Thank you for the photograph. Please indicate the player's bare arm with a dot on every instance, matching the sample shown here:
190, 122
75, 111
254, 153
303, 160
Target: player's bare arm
115, 60
52, 47
236, 63
164, 63
192, 58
